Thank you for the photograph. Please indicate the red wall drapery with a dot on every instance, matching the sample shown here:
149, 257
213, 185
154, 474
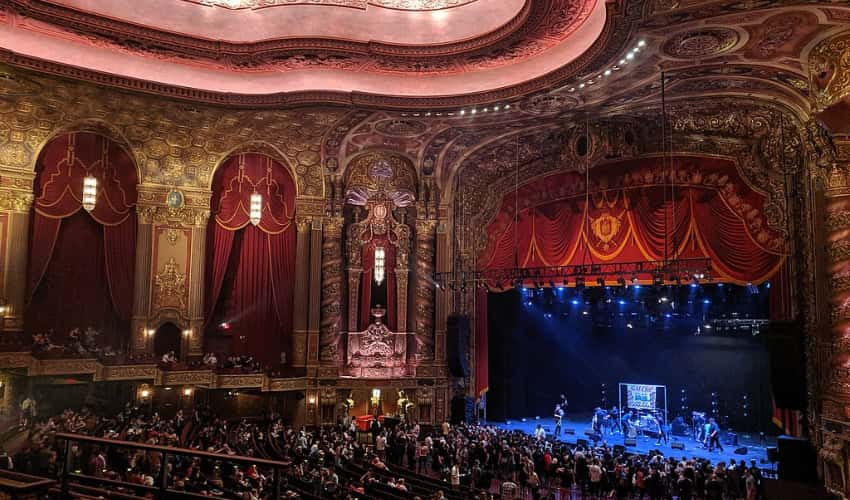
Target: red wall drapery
368, 261
712, 212
58, 189
251, 269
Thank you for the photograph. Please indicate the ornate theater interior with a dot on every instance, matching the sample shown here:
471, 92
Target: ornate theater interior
363, 248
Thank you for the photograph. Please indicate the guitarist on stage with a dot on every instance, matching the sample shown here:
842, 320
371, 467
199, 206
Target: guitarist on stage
559, 415
714, 435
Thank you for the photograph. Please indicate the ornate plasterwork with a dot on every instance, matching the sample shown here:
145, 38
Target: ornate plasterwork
170, 288
173, 144
701, 43
15, 201
829, 65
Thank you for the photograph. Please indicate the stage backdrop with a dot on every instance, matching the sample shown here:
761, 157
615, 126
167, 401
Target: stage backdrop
81, 264
250, 270
634, 215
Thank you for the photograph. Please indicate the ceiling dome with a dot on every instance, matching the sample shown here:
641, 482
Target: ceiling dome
405, 49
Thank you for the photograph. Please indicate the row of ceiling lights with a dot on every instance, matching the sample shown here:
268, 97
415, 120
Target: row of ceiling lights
630, 55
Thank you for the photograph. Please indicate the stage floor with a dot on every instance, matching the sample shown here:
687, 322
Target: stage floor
755, 450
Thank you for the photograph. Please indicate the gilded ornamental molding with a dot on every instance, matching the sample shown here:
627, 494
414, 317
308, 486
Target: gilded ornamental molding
829, 66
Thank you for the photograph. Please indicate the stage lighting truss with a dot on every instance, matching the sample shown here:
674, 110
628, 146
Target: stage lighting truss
681, 271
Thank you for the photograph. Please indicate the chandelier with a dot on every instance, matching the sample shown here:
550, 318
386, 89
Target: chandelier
89, 192
256, 212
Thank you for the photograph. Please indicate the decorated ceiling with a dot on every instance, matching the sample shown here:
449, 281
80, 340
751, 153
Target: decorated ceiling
731, 69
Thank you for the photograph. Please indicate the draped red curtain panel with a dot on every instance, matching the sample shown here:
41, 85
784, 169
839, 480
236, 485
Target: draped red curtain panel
712, 212
81, 264
251, 269
368, 260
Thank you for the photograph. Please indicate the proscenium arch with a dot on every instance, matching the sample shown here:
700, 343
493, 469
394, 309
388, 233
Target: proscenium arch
263, 148
92, 126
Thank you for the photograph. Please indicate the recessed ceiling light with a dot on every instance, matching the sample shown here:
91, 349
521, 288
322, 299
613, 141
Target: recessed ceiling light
463, 112
474, 111
496, 108
641, 43
507, 106
486, 109
622, 61
630, 56
607, 72
581, 86
572, 89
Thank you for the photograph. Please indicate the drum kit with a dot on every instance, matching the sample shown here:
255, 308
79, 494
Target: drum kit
633, 423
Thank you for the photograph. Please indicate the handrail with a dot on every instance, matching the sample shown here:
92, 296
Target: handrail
162, 490
171, 449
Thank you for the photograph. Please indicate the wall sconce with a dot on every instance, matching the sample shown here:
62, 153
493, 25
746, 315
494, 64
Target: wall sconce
149, 332
89, 193
380, 263
187, 332
187, 392
144, 393
312, 400
4, 307
256, 212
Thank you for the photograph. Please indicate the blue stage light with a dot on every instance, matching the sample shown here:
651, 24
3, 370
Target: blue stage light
767, 284
706, 301
636, 287
621, 302
560, 289
668, 315
694, 285
575, 302
528, 304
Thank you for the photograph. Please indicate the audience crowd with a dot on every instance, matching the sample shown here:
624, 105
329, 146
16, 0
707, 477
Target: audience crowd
442, 462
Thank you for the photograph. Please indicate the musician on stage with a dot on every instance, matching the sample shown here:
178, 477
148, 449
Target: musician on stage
662, 431
559, 415
598, 417
563, 403
616, 427
714, 435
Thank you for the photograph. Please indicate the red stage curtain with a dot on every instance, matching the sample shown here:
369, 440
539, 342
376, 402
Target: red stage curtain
712, 212
63, 164
251, 269
368, 261
482, 366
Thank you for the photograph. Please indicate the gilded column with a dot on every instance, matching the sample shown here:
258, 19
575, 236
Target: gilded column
15, 207
315, 291
402, 272
331, 318
424, 301
301, 292
195, 340
355, 270
142, 279
441, 311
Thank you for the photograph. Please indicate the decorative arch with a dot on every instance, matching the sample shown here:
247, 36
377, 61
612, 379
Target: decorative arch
390, 172
97, 127
258, 147
74, 255
250, 268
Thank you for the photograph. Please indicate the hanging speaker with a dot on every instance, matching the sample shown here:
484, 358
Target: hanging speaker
457, 335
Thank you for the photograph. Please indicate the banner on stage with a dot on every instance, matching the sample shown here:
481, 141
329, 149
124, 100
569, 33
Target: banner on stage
641, 397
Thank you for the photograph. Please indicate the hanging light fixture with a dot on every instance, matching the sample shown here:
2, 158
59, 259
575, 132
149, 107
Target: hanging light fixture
89, 192
256, 212
380, 262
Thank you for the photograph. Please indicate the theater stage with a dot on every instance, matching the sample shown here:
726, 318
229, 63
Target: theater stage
755, 450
